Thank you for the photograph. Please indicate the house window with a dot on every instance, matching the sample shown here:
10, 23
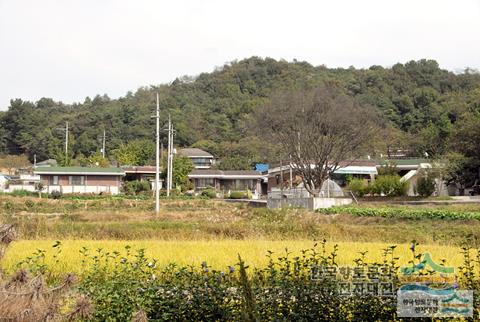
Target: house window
244, 184
205, 182
202, 162
76, 180
53, 180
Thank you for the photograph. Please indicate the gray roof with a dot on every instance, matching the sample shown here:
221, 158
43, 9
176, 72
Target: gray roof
48, 162
402, 162
194, 152
226, 174
140, 169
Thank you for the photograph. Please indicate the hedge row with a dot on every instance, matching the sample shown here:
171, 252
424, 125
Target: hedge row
401, 213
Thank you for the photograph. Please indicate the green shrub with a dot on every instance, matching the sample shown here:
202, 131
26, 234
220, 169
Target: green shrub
9, 205
238, 195
118, 291
358, 186
119, 285
389, 185
390, 168
135, 187
22, 193
396, 212
425, 186
209, 192
30, 204
55, 194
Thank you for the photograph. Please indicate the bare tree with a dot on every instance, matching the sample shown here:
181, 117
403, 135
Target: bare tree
318, 129
14, 162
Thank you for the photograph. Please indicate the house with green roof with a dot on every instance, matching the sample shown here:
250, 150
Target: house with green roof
80, 179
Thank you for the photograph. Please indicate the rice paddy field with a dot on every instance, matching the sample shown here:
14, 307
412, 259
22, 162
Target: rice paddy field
192, 231
219, 254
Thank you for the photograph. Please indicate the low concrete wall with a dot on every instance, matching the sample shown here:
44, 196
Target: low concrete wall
309, 203
26, 187
290, 202
83, 189
330, 202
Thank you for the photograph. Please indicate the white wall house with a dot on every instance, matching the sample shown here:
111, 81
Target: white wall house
80, 179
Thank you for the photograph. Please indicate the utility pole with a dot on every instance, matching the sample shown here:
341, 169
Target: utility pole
172, 133
291, 174
35, 161
103, 145
66, 142
157, 160
281, 184
169, 156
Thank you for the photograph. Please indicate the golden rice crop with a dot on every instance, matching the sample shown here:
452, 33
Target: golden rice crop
217, 253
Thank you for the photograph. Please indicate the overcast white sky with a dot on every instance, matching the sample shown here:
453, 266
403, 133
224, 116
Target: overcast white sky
67, 50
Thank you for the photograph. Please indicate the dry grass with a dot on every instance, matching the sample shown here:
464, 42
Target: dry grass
27, 298
214, 220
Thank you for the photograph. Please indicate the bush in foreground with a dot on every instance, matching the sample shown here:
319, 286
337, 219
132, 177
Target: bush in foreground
121, 286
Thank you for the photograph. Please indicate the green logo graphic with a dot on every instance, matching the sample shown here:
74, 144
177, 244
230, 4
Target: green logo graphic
427, 260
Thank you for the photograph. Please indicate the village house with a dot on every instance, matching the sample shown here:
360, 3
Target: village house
227, 180
201, 159
409, 169
412, 169
80, 179
24, 181
285, 176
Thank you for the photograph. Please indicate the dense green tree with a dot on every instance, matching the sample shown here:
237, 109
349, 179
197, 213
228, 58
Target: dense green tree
464, 159
137, 152
182, 167
96, 160
3, 134
235, 163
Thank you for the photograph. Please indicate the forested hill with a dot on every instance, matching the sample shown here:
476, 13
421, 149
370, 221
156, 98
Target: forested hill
418, 98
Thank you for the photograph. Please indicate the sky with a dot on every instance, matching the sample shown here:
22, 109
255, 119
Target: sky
70, 49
